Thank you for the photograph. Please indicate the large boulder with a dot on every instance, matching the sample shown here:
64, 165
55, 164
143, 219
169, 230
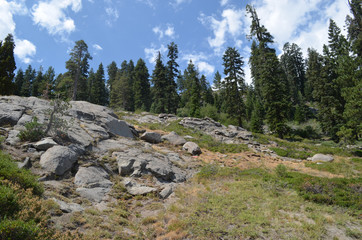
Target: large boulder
97, 194
58, 159
9, 113
174, 139
119, 128
44, 144
151, 137
192, 148
91, 177
321, 158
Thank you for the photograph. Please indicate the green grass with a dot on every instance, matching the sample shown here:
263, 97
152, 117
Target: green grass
291, 153
258, 204
346, 167
10, 171
203, 140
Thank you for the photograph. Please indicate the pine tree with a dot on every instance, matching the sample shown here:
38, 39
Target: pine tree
268, 76
47, 86
294, 68
29, 77
313, 74
98, 91
121, 95
141, 86
78, 67
19, 80
206, 92
7, 65
159, 80
112, 73
234, 84
191, 97
172, 97
36, 84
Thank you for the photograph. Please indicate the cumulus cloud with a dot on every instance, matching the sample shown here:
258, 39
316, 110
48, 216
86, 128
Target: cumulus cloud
230, 26
152, 52
51, 15
224, 2
304, 22
24, 50
200, 60
161, 32
150, 3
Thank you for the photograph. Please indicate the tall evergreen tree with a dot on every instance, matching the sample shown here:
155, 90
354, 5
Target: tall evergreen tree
29, 77
294, 68
98, 91
159, 80
7, 65
19, 80
206, 91
37, 82
269, 76
112, 73
47, 87
171, 75
234, 84
191, 96
78, 67
141, 86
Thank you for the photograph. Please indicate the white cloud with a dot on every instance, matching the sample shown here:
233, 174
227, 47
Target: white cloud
152, 52
169, 31
7, 10
224, 2
97, 47
112, 14
200, 61
24, 50
230, 26
150, 3
177, 3
304, 22
51, 15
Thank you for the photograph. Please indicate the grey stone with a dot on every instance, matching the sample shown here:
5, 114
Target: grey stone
97, 194
166, 192
321, 158
161, 169
10, 113
58, 159
95, 131
119, 128
192, 148
174, 138
92, 177
45, 144
151, 137
13, 138
141, 190
125, 166
26, 164
68, 207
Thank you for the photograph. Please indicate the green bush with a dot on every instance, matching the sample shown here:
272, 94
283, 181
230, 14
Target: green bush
34, 131
18, 229
9, 171
281, 171
8, 201
209, 111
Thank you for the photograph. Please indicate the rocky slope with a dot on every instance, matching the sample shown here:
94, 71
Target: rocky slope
101, 157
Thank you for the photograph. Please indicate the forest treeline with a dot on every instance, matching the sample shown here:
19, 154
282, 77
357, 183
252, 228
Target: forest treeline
326, 86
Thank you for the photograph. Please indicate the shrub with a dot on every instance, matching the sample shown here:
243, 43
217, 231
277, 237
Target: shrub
209, 111
34, 131
9, 171
18, 229
8, 201
281, 171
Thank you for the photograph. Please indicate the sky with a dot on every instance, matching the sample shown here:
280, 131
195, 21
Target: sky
45, 31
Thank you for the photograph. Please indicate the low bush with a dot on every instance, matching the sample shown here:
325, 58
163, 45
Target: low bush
34, 131
18, 229
10, 171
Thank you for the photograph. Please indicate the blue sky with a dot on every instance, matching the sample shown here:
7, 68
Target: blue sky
117, 30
